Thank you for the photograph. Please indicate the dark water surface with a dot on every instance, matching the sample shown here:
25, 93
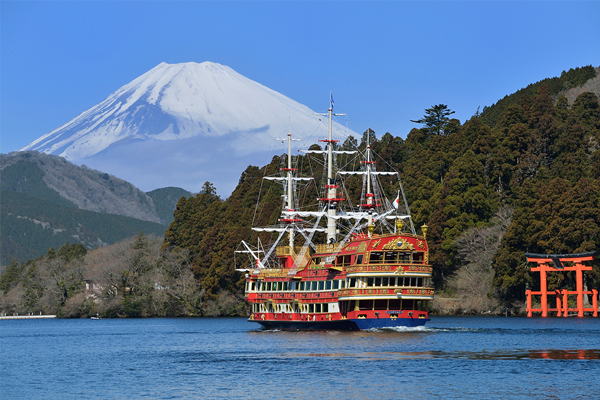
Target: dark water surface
451, 358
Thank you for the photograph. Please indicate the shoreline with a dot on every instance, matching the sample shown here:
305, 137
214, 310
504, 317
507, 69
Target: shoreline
26, 316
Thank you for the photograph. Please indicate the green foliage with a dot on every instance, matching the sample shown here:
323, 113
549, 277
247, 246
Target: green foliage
165, 201
568, 79
71, 251
27, 177
11, 276
436, 120
30, 226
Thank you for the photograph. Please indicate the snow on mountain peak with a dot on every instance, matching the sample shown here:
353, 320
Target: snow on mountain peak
208, 103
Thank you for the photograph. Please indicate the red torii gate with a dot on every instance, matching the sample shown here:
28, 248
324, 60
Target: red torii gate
543, 261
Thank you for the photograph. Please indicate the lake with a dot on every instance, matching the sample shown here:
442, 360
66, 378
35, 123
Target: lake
230, 358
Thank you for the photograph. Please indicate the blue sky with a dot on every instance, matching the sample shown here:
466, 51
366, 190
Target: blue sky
384, 61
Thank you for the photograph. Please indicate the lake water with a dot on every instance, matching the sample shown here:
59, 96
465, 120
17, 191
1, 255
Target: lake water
230, 358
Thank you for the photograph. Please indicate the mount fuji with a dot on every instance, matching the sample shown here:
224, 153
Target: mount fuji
182, 125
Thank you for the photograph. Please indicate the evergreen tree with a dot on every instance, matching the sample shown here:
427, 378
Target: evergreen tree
436, 120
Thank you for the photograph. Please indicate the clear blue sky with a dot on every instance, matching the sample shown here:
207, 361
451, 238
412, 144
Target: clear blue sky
384, 61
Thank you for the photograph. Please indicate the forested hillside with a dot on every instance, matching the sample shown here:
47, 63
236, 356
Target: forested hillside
47, 201
489, 192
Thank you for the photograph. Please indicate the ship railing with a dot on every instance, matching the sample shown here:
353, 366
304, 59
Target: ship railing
326, 248
288, 251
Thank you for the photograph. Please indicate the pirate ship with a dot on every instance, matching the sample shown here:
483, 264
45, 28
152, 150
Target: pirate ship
370, 270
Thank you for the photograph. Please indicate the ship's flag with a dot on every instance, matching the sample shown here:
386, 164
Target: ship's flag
331, 96
397, 201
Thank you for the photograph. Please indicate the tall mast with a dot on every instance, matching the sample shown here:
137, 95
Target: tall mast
290, 190
331, 187
369, 195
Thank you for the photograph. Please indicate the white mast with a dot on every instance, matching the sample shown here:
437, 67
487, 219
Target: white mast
290, 190
331, 189
369, 195
330, 186
290, 179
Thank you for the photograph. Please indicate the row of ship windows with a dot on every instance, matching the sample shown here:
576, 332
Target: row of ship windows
378, 257
358, 305
362, 282
296, 308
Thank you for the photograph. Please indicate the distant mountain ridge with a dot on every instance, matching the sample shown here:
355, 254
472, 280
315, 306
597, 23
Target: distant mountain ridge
204, 119
84, 188
47, 201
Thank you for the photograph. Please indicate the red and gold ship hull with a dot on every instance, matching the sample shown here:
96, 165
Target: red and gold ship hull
378, 282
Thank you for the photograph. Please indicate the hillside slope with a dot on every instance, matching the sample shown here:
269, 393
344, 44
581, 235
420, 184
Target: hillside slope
47, 201
85, 188
30, 226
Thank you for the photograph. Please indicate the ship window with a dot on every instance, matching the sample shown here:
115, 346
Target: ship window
321, 285
384, 281
380, 304
311, 308
375, 257
325, 307
365, 304
336, 284
419, 281
404, 257
317, 308
314, 285
285, 286
268, 286
328, 285
377, 281
369, 281
413, 282
401, 282
303, 286
395, 304
418, 258
390, 256
352, 282
359, 259
342, 284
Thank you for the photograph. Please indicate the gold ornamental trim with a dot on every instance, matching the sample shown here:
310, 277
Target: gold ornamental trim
418, 292
398, 244
389, 268
365, 292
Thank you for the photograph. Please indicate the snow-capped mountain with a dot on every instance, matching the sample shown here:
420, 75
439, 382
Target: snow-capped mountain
182, 125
